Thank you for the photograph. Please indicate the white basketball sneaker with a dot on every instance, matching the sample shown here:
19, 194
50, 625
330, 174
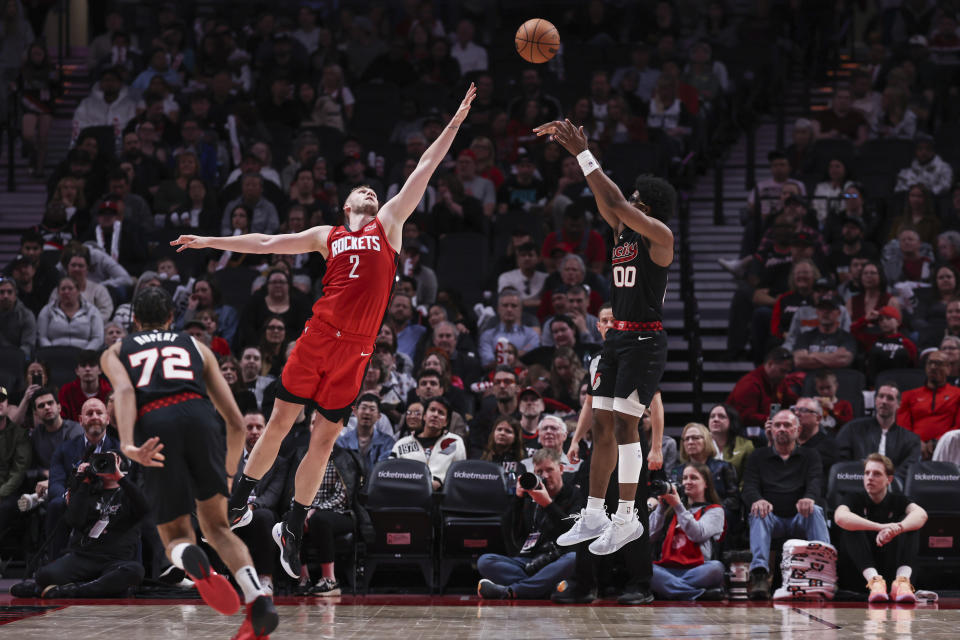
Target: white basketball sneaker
618, 532
587, 525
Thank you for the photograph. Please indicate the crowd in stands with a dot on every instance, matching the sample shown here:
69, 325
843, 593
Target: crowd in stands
214, 124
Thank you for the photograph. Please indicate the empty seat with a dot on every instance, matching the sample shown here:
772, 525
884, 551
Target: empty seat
935, 486
462, 263
399, 500
905, 379
61, 362
845, 478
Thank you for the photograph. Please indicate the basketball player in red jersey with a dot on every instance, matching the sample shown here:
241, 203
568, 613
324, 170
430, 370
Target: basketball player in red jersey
326, 367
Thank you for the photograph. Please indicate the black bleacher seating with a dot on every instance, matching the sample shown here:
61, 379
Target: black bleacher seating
850, 386
235, 284
883, 157
845, 478
472, 507
399, 500
935, 486
12, 364
331, 145
61, 362
905, 379
826, 149
462, 263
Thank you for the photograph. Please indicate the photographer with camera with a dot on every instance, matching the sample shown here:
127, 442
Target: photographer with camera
690, 523
543, 500
104, 509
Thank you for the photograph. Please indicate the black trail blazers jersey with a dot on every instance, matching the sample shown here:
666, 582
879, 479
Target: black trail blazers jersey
162, 364
639, 284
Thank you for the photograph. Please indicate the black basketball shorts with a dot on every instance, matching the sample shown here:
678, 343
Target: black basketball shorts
195, 449
628, 372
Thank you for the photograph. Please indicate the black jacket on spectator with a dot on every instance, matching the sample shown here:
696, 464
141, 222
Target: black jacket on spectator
826, 445
526, 517
861, 437
270, 490
782, 482
123, 507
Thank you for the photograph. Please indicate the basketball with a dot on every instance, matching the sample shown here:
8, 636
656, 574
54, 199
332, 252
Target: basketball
537, 40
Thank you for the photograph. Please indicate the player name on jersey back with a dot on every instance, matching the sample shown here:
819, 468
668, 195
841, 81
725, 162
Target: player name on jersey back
354, 243
160, 336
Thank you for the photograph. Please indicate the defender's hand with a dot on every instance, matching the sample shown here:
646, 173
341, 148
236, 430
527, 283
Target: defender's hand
464, 109
148, 454
655, 459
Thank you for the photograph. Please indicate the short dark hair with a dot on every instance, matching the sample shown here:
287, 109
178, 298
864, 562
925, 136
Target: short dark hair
443, 402
502, 368
893, 385
152, 307
31, 235
369, 397
75, 250
429, 373
88, 356
43, 391
777, 154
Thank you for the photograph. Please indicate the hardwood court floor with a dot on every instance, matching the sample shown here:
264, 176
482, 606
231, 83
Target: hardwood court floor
464, 617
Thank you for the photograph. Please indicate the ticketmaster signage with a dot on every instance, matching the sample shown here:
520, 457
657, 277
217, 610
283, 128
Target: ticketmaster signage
396, 475
935, 477
472, 475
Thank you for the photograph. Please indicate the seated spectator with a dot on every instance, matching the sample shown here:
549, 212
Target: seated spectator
865, 99
895, 121
571, 272
752, 395
533, 523
51, 431
841, 120
425, 277
18, 326
948, 242
171, 194
931, 302
803, 275
669, 118
857, 211
697, 447
805, 317
264, 219
948, 326
690, 528
401, 317
113, 332
881, 434
835, 412
102, 560
566, 372
122, 239
526, 278
509, 329
230, 368
15, 457
577, 238
933, 409
211, 327
885, 346
827, 346
273, 346
872, 294
505, 445
584, 323
551, 434
251, 373
799, 153
76, 263
278, 298
69, 321
781, 484
371, 443
206, 296
828, 195
811, 435
464, 362
88, 384
109, 104
880, 532
927, 169
907, 258
433, 445
726, 430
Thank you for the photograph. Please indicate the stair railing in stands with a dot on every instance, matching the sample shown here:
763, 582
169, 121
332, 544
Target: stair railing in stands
14, 119
691, 311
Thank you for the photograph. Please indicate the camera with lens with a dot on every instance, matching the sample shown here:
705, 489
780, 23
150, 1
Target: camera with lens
29, 501
103, 463
550, 554
660, 486
529, 481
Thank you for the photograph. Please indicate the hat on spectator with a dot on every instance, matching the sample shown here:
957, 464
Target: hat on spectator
523, 155
923, 138
433, 115
110, 205
917, 40
527, 390
828, 301
855, 221
801, 239
890, 312
194, 323
3, 392
823, 284
468, 153
561, 249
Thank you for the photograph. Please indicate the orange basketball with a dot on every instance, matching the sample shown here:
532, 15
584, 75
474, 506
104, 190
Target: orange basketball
537, 40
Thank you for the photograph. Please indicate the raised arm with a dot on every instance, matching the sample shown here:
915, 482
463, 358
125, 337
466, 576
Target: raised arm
314, 239
614, 208
395, 212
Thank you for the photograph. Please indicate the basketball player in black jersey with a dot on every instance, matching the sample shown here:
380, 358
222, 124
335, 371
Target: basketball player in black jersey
161, 380
632, 360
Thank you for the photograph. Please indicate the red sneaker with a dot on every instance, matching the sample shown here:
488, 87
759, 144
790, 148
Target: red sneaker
260, 620
215, 590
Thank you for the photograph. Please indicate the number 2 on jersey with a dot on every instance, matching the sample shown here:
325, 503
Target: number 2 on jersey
176, 364
355, 261
624, 276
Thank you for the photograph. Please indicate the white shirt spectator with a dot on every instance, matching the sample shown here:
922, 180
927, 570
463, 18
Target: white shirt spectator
472, 57
448, 448
528, 287
95, 111
936, 175
481, 189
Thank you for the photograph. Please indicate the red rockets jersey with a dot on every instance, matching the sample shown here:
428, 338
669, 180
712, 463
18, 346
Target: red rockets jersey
361, 266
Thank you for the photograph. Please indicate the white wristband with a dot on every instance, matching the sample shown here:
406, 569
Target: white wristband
587, 162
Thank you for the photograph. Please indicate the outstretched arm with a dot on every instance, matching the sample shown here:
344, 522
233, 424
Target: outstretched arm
314, 239
610, 201
395, 212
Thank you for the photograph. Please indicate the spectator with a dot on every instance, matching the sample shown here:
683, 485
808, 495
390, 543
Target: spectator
571, 272
113, 332
881, 434
469, 55
872, 294
76, 262
768, 191
504, 445
273, 346
669, 117
827, 346
566, 373
927, 168
781, 483
532, 528
931, 302
251, 368
799, 153
124, 313
810, 415
803, 275
157, 65
464, 361
474, 184
691, 528
88, 384
408, 334
531, 410
509, 328
885, 346
948, 448
531, 89
727, 432
551, 433
933, 409
827, 196
841, 120
433, 445
895, 121
668, 446
206, 297
372, 444
265, 218
15, 456
575, 237
69, 321
894, 518
230, 368
697, 447
51, 431
857, 211
277, 298
753, 394
919, 216
18, 326
865, 99
646, 76
135, 209
109, 104
171, 194
835, 412
120, 238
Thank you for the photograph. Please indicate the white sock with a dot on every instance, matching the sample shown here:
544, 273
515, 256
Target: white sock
868, 574
594, 505
904, 571
625, 509
630, 462
249, 583
176, 554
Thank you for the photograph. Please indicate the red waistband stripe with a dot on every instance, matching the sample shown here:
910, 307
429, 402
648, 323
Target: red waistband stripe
624, 325
168, 401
